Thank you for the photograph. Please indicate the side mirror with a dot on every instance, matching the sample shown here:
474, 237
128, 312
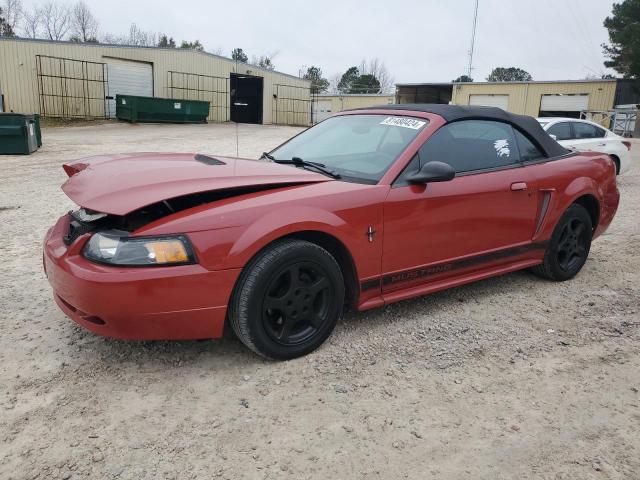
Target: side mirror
553, 136
433, 172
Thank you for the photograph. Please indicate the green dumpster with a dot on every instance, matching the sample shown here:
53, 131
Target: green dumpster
148, 109
19, 133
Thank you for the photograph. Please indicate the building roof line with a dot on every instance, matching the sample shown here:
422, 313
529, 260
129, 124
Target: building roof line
176, 49
438, 84
353, 95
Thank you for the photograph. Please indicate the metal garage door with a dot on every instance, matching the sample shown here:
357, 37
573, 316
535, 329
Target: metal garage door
321, 110
128, 77
500, 101
564, 103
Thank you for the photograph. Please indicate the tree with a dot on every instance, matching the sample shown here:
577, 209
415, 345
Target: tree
624, 31
511, 74
348, 79
5, 28
377, 69
31, 23
318, 83
192, 45
239, 56
463, 78
367, 83
264, 61
55, 18
84, 25
166, 42
136, 37
12, 13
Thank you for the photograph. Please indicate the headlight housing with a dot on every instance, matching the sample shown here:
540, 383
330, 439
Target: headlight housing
117, 248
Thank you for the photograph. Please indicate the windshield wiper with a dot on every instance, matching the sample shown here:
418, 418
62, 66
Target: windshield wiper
298, 162
268, 156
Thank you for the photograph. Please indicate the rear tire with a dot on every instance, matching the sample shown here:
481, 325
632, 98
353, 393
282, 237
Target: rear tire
287, 300
569, 246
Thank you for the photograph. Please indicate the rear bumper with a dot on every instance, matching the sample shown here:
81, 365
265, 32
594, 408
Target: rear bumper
151, 303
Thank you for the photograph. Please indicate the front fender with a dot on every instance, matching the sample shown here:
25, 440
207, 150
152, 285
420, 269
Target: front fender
283, 222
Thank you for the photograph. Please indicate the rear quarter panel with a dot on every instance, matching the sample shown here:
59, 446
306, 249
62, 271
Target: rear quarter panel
569, 178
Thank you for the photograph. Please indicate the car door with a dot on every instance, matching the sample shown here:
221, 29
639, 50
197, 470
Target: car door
485, 214
562, 133
587, 137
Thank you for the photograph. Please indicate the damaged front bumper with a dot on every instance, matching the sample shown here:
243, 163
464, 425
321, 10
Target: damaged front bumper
139, 303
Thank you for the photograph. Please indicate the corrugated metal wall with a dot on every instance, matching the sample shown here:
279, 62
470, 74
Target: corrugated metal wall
19, 84
348, 102
524, 98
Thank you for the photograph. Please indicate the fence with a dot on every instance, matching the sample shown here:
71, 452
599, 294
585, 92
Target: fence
192, 86
291, 105
71, 88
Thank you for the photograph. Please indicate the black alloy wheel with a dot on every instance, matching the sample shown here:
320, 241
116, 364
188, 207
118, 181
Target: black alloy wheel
297, 303
573, 244
287, 299
569, 246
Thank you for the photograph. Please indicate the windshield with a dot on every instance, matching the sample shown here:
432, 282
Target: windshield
359, 148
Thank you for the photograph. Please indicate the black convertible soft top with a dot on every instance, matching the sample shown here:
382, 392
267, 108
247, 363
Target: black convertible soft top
452, 113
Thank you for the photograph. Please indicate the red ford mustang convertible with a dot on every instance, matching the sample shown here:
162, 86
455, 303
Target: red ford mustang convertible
366, 208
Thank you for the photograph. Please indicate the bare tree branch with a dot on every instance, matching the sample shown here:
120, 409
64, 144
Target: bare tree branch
378, 69
31, 23
55, 19
12, 10
83, 24
136, 37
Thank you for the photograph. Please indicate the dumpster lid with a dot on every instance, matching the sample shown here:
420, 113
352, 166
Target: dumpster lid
19, 115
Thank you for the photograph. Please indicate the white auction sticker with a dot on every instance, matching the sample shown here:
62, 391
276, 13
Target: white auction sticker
404, 122
177, 106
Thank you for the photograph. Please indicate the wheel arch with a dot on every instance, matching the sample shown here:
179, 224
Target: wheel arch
592, 206
341, 253
331, 243
616, 162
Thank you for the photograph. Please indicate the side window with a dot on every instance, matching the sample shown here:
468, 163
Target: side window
600, 132
472, 145
528, 151
562, 131
413, 167
584, 130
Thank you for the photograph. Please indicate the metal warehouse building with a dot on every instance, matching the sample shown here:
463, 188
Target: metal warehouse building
610, 102
566, 98
79, 80
326, 104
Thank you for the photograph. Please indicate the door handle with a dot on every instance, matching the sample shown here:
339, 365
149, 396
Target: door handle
518, 186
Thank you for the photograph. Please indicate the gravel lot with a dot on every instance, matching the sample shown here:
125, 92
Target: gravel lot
513, 377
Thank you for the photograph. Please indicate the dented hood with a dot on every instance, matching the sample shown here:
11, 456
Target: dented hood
120, 184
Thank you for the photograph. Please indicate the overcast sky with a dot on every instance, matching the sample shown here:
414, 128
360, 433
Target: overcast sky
418, 40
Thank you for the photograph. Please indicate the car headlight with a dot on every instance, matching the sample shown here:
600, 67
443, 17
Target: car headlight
116, 248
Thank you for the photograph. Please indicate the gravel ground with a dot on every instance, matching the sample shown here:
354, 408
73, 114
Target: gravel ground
512, 377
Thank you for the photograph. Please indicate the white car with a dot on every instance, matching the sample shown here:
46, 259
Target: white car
587, 136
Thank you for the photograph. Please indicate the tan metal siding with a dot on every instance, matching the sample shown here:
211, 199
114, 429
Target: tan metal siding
524, 98
349, 102
18, 73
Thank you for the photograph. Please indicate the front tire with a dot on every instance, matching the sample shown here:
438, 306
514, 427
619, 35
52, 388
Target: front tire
287, 300
569, 246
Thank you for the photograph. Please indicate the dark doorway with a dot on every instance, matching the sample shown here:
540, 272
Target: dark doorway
564, 114
246, 98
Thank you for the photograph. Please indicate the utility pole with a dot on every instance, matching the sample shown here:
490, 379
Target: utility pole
473, 39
